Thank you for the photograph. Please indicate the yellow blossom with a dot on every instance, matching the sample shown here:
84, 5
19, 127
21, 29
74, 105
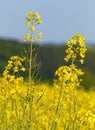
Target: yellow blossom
27, 23
27, 37
76, 48
39, 36
32, 28
29, 16
39, 21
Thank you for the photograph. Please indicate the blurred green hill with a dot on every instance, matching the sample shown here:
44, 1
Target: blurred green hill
51, 57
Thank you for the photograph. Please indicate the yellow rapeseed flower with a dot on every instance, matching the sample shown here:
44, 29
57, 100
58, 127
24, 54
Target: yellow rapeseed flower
73, 40
32, 28
76, 48
32, 20
38, 21
27, 24
27, 37
29, 16
39, 35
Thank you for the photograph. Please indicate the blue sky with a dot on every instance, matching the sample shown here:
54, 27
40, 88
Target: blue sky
61, 18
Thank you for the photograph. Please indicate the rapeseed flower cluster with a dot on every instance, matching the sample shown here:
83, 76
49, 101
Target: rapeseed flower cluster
13, 68
32, 20
76, 48
69, 75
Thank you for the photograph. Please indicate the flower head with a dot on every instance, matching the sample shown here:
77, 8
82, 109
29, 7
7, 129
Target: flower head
76, 48
32, 20
27, 37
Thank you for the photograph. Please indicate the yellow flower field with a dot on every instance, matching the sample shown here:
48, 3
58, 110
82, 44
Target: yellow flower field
46, 108
29, 105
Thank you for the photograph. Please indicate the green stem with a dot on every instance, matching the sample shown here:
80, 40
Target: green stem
30, 64
60, 95
72, 61
30, 70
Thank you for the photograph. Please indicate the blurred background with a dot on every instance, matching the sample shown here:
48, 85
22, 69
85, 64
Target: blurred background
61, 20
